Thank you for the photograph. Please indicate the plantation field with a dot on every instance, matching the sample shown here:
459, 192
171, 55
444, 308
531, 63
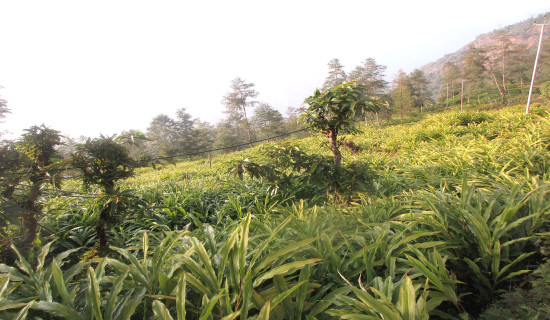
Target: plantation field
443, 217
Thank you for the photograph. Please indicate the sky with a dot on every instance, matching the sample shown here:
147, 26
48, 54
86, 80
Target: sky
87, 68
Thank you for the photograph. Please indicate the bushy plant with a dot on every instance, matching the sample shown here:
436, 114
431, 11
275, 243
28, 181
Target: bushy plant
102, 162
545, 91
332, 112
26, 165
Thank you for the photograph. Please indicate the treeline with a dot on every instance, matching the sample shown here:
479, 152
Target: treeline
246, 120
499, 72
407, 93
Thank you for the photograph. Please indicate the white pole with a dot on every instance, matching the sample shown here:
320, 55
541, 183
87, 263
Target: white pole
534, 70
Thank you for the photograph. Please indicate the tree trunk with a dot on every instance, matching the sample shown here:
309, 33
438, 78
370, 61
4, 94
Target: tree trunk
502, 93
29, 217
101, 230
29, 226
333, 139
447, 105
247, 126
521, 85
103, 220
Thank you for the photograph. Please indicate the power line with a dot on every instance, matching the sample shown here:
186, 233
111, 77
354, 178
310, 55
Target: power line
169, 157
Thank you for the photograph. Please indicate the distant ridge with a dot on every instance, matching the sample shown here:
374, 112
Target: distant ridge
522, 33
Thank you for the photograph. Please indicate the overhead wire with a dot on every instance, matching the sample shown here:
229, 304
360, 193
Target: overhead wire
169, 157
75, 194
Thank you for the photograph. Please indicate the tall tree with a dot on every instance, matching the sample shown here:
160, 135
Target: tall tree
474, 69
3, 110
520, 65
336, 74
238, 100
401, 94
204, 135
451, 74
185, 132
38, 145
3, 107
418, 84
370, 76
267, 121
161, 132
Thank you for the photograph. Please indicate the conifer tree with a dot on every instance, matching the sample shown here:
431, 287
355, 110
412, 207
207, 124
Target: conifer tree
370, 76
237, 101
336, 74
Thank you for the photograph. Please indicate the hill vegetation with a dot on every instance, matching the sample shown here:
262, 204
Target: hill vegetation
392, 207
510, 50
434, 217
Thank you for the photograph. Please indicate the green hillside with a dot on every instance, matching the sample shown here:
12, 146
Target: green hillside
439, 216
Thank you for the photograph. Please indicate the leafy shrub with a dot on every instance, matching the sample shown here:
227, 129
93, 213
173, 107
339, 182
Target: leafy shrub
531, 303
470, 118
430, 134
289, 168
545, 91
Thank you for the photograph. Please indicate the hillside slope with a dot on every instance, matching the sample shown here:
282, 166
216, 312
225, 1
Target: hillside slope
524, 33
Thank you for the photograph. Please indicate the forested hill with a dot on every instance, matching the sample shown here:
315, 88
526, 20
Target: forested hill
519, 39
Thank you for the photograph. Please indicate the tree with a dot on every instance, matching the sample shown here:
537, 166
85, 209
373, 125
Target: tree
401, 94
451, 74
3, 107
336, 74
519, 66
474, 68
12, 166
267, 121
332, 112
237, 101
370, 76
203, 135
495, 64
418, 85
102, 162
38, 147
3, 110
545, 91
161, 132
185, 131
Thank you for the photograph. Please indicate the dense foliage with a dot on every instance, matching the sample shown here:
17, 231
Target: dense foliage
437, 219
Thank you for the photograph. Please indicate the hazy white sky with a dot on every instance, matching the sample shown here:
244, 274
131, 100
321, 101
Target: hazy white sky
91, 67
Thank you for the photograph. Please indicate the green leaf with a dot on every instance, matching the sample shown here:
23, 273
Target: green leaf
284, 269
93, 297
22, 314
406, 304
264, 312
60, 283
60, 310
207, 311
161, 312
113, 295
180, 298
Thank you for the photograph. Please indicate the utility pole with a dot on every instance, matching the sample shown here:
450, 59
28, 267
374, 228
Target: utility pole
536, 62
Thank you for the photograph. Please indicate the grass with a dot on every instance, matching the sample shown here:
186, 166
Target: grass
453, 214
